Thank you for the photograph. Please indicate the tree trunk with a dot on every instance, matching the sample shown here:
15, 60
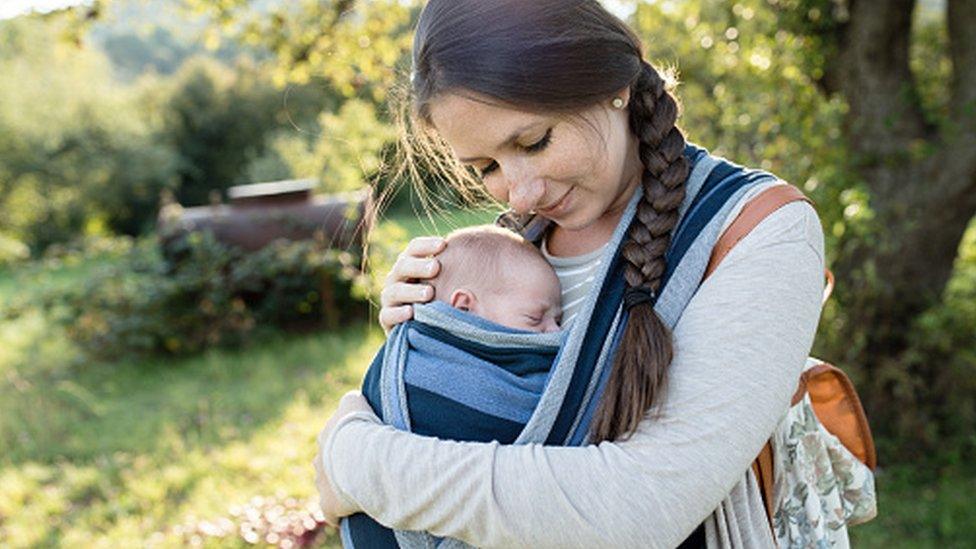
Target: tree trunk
921, 180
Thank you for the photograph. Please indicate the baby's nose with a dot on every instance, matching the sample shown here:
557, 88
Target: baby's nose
550, 325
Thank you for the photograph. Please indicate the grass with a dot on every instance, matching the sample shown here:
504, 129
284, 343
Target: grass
922, 509
418, 222
99, 454
122, 454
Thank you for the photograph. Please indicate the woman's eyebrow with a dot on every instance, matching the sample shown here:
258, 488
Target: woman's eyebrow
511, 139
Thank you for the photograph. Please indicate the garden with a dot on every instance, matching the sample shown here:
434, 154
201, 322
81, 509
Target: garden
167, 391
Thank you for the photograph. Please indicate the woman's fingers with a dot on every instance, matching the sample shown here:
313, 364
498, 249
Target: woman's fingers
425, 245
403, 293
415, 263
391, 316
396, 301
409, 267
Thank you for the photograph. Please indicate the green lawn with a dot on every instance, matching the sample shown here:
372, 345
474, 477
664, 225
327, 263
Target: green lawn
920, 508
99, 454
123, 454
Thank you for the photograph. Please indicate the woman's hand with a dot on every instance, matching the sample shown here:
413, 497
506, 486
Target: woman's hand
333, 507
402, 287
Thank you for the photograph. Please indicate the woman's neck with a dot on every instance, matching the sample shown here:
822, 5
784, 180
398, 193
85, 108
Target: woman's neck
562, 242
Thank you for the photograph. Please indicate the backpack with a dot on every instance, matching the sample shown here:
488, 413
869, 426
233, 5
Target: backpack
816, 473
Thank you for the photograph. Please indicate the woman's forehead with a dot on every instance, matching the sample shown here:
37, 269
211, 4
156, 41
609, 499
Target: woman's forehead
475, 127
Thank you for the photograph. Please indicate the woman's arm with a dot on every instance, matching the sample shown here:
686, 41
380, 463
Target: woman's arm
741, 345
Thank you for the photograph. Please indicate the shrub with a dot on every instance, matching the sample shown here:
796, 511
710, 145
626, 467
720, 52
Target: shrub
197, 293
12, 251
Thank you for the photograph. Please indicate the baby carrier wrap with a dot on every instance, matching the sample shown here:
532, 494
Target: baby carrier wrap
455, 376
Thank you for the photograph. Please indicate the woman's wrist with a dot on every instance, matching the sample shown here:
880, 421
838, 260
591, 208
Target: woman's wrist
335, 448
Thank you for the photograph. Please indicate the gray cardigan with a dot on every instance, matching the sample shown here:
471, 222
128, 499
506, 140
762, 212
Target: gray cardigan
740, 346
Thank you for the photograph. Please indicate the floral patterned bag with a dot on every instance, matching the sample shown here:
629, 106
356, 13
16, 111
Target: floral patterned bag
821, 485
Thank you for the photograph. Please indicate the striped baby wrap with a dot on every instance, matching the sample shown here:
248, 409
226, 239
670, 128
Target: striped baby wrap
455, 376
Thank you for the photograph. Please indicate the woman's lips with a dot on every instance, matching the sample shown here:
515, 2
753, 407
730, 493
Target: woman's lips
556, 208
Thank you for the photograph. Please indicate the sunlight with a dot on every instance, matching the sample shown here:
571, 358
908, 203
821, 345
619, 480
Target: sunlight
13, 8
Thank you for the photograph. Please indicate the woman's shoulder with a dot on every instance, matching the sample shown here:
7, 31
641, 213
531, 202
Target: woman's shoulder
716, 179
795, 222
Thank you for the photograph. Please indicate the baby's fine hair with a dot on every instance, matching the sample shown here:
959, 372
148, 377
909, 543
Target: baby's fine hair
483, 255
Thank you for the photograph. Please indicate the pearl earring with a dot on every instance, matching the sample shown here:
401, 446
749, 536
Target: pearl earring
618, 102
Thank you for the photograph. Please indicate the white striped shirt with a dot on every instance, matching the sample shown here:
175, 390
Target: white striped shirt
576, 275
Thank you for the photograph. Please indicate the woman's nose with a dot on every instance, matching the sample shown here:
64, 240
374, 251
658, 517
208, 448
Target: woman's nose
525, 190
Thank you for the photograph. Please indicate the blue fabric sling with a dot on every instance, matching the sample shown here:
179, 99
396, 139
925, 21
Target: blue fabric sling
453, 375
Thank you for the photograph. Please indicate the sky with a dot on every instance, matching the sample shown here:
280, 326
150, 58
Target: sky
13, 8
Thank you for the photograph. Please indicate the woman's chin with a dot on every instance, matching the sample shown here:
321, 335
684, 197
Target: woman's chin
570, 222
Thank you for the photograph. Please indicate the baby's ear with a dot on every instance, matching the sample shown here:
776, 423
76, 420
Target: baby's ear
463, 299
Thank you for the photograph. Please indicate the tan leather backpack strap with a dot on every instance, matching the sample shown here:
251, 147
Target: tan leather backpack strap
763, 469
829, 288
765, 203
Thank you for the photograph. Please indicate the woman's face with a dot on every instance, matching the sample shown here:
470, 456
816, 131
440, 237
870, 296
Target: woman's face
573, 170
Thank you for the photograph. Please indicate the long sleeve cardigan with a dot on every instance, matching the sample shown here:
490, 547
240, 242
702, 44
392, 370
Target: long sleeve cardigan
740, 347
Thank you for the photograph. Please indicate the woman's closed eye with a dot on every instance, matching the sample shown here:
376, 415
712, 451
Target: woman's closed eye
538, 146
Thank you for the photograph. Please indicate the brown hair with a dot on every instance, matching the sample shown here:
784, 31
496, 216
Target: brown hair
563, 56
482, 255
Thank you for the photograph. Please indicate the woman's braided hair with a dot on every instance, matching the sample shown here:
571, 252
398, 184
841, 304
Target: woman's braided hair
564, 56
638, 377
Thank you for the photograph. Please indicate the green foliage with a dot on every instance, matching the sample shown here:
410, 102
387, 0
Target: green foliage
357, 51
82, 154
354, 46
12, 251
938, 380
206, 294
920, 506
344, 155
748, 94
749, 82
216, 120
134, 54
76, 155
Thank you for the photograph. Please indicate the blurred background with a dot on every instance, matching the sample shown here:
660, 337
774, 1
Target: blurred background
161, 383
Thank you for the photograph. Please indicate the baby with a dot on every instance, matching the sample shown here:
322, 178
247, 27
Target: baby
455, 389
496, 274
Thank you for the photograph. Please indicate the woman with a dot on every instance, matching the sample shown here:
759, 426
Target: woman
552, 104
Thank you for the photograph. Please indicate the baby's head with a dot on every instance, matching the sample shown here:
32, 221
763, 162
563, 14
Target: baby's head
495, 274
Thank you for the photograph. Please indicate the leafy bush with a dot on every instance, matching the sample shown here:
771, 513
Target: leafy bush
12, 251
196, 293
78, 153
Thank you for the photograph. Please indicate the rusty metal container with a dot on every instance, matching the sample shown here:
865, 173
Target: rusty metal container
263, 212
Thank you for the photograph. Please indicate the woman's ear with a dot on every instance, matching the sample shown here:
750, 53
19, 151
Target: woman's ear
463, 299
624, 96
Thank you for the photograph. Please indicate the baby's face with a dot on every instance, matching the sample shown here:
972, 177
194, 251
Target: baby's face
530, 300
